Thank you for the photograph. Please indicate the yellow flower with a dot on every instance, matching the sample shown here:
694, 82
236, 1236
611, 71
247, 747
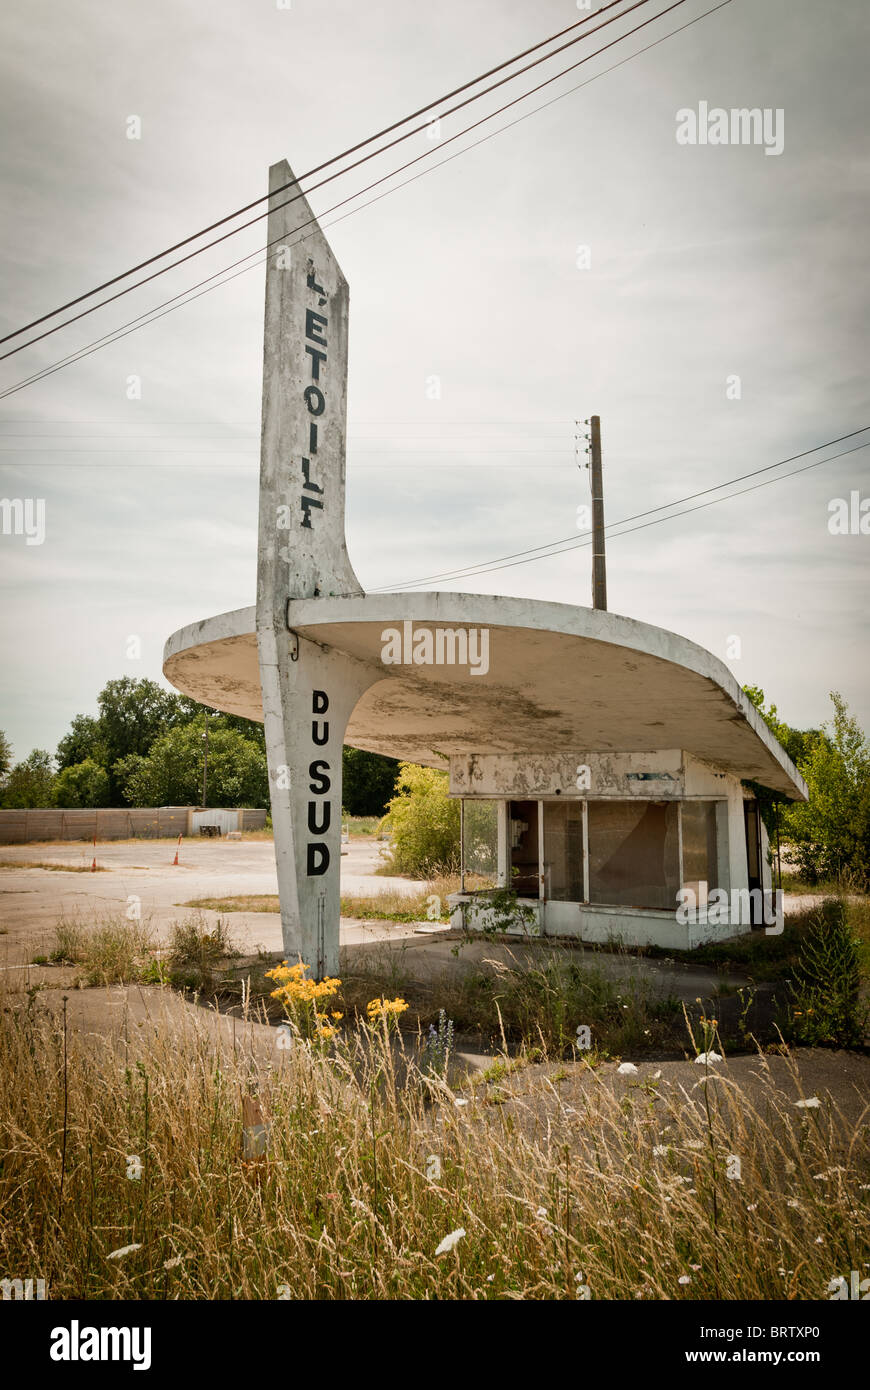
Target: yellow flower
385, 1008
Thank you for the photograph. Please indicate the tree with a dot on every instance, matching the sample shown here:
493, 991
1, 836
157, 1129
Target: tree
5, 755
798, 743
830, 833
424, 823
171, 773
82, 784
84, 741
133, 713
190, 710
368, 780
30, 783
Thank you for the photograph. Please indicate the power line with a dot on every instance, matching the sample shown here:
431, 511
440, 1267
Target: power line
170, 305
574, 542
374, 154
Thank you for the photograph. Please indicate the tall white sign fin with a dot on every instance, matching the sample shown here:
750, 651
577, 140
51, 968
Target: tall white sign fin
302, 548
308, 693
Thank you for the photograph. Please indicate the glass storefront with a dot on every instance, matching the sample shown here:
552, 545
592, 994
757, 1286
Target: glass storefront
628, 853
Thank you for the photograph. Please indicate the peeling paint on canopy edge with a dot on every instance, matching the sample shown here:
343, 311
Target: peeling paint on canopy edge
494, 611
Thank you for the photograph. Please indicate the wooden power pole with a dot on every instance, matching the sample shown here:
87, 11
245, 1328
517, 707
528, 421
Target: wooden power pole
599, 569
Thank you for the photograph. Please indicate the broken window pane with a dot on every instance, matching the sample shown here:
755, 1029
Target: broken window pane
563, 851
480, 838
634, 853
700, 850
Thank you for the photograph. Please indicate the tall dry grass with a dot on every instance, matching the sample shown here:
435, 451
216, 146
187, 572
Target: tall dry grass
621, 1193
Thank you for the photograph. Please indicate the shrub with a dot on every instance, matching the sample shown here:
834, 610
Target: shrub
824, 1003
424, 824
195, 949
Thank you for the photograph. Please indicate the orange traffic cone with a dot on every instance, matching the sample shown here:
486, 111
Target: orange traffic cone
177, 848
94, 860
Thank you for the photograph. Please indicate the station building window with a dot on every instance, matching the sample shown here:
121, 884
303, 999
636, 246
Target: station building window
700, 849
563, 851
634, 853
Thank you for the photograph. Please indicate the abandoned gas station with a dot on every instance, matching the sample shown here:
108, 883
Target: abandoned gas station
601, 763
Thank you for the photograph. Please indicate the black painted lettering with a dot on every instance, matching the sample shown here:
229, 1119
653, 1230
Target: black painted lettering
316, 358
315, 736
307, 504
320, 782
319, 702
314, 399
306, 473
317, 865
313, 323
314, 828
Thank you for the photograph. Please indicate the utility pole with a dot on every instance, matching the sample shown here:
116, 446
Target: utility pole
599, 570
205, 764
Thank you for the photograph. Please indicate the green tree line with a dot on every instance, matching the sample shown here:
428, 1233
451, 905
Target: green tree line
146, 746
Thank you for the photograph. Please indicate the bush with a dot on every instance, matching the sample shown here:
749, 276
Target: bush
424, 824
824, 1004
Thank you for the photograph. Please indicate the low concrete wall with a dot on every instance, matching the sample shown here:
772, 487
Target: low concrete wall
593, 923
109, 823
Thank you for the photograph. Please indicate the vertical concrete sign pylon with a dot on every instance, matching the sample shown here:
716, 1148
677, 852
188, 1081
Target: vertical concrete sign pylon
308, 691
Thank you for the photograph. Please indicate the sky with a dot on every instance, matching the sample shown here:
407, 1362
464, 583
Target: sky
707, 301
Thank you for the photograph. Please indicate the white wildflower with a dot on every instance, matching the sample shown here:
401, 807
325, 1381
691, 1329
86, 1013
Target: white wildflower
124, 1250
449, 1241
705, 1058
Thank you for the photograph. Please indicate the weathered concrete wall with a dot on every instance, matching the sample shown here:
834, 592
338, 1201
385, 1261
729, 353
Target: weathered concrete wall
106, 823
599, 925
654, 776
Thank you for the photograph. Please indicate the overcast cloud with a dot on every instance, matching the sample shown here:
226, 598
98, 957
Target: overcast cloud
705, 262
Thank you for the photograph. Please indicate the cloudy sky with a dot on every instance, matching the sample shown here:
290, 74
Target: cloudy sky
704, 263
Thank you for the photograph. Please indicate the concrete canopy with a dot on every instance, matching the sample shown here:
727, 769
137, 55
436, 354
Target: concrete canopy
560, 678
